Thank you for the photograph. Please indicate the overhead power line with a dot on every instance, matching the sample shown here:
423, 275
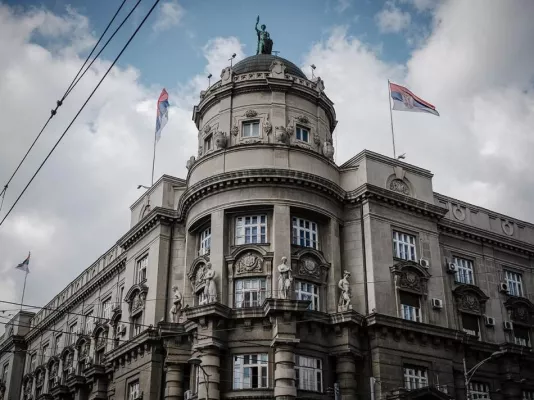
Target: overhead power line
83, 106
59, 103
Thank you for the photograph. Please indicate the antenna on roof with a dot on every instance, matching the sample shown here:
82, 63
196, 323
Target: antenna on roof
209, 80
275, 52
313, 69
231, 59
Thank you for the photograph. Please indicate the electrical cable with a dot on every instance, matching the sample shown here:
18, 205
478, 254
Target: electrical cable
83, 106
59, 103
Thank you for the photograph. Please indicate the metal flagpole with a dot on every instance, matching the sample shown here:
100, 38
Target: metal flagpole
153, 160
23, 290
391, 119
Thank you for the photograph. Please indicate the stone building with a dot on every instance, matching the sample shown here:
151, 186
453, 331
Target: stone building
272, 272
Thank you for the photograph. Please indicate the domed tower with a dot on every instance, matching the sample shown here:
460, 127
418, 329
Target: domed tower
262, 213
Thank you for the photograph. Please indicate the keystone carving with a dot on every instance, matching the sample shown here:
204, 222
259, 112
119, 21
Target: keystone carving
251, 113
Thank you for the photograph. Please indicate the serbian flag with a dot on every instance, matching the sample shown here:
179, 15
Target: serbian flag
24, 266
163, 113
404, 100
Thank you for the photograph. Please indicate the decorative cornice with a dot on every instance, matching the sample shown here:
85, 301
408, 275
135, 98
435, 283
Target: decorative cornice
157, 215
471, 232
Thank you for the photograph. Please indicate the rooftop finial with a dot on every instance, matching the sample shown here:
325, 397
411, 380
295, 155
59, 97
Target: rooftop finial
265, 43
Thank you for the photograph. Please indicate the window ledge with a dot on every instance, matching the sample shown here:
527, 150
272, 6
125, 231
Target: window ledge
250, 244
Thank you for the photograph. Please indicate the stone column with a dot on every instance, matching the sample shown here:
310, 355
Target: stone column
281, 237
174, 381
217, 254
346, 376
211, 363
284, 372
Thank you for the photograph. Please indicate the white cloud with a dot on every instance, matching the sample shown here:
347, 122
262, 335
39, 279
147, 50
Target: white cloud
170, 14
342, 5
480, 148
392, 19
422, 5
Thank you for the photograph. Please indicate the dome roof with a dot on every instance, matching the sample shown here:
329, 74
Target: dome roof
262, 62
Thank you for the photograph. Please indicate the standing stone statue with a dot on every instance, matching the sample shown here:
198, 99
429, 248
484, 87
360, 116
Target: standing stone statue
284, 280
346, 295
265, 44
210, 290
177, 305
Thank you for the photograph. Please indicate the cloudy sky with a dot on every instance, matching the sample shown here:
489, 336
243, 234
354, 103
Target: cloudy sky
472, 59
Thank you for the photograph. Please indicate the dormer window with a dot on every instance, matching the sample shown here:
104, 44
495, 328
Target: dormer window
251, 129
302, 134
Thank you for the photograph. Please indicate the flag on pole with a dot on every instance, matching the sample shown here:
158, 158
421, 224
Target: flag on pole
163, 113
404, 100
24, 266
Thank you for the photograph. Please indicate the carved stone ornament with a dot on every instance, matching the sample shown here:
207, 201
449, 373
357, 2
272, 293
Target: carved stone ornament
290, 129
520, 310
101, 340
251, 113
400, 186
319, 85
249, 263
207, 129
40, 379
220, 140
308, 266
235, 130
469, 302
458, 213
303, 119
281, 135
267, 128
226, 75
278, 69
138, 302
328, 150
190, 162
317, 139
285, 279
199, 151
507, 228
411, 280
346, 293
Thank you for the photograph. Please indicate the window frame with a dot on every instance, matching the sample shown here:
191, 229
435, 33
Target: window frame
251, 123
262, 363
89, 323
470, 332
204, 239
519, 340
44, 349
134, 394
106, 308
315, 298
410, 310
419, 377
208, 143
474, 390
141, 267
316, 373
397, 240
299, 130
72, 333
241, 226
261, 292
137, 324
465, 270
517, 284
297, 229
527, 394
33, 362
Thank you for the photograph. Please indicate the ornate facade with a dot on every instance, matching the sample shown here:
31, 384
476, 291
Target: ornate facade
272, 272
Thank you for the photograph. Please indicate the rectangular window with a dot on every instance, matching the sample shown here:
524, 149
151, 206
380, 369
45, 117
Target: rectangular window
33, 362
308, 291
251, 129
208, 143
137, 325
106, 308
515, 283
410, 306
309, 373
250, 292
250, 371
57, 344
141, 267
205, 241
305, 233
45, 353
404, 246
415, 377
464, 271
521, 335
251, 229
470, 324
479, 390
528, 394
133, 390
72, 333
302, 134
89, 323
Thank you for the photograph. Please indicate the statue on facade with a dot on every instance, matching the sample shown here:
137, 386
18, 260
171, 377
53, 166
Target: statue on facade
265, 44
284, 280
177, 305
210, 289
346, 295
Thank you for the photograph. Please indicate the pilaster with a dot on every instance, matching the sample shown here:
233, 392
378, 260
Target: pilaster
218, 233
346, 376
281, 238
174, 381
209, 382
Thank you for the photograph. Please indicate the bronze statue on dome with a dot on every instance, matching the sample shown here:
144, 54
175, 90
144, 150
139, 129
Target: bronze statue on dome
265, 43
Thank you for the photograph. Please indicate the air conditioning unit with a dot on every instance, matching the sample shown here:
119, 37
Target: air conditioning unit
451, 268
188, 395
437, 303
507, 326
424, 263
503, 287
489, 321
